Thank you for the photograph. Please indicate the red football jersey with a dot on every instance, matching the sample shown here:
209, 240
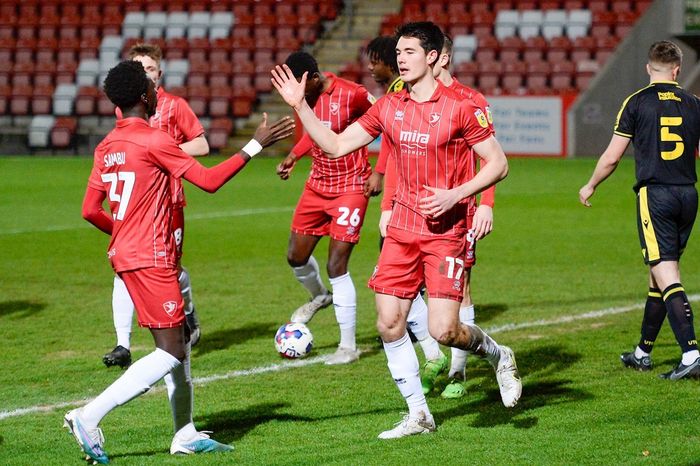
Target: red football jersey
175, 117
339, 106
431, 141
488, 195
135, 165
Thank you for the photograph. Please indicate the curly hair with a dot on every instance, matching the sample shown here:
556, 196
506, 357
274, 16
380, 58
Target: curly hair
383, 49
126, 83
301, 62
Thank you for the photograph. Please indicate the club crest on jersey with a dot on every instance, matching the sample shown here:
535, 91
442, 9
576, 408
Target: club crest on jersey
434, 118
398, 115
169, 307
334, 106
481, 118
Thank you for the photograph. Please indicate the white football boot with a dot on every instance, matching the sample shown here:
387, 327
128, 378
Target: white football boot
343, 356
305, 312
424, 424
509, 382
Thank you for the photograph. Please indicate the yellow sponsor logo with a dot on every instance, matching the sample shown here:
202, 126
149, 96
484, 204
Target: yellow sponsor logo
481, 118
489, 116
668, 96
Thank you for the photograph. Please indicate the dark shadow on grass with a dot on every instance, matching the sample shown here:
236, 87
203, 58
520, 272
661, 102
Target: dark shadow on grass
232, 425
23, 308
487, 312
534, 365
137, 454
225, 338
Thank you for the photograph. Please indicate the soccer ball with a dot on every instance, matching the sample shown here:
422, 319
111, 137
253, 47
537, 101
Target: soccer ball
294, 340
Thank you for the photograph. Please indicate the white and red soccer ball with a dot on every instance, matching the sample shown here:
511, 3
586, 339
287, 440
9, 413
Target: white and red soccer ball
294, 340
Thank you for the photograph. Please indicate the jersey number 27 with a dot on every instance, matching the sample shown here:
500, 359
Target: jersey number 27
122, 198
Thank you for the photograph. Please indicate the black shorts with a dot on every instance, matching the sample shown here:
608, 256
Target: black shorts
665, 217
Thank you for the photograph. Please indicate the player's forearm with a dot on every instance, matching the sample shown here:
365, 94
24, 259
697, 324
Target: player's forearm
94, 213
489, 175
196, 147
326, 139
211, 179
604, 168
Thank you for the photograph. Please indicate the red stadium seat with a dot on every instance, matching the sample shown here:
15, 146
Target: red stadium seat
487, 49
558, 50
65, 72
625, 23
490, 74
602, 23
199, 50
582, 48
511, 49
220, 74
176, 48
219, 102
7, 49
5, 97
45, 73
562, 75
46, 49
537, 75
598, 5
24, 50
21, 98
499, 5
534, 49
219, 132
197, 76
22, 73
482, 24
89, 47
63, 132
242, 102
198, 98
105, 107
480, 6
42, 100
220, 50
513, 76
550, 5
86, 100
574, 4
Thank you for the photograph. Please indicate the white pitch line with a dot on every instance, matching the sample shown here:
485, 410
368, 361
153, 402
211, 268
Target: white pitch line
190, 217
315, 360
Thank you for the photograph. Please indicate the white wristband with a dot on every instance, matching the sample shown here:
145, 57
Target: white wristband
252, 148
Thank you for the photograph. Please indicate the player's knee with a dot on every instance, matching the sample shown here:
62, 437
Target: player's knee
296, 260
444, 335
390, 329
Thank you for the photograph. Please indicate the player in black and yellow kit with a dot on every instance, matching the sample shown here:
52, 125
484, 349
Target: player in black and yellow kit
663, 122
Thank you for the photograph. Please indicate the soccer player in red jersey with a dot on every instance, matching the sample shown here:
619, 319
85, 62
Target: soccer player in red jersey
431, 129
174, 116
133, 167
332, 203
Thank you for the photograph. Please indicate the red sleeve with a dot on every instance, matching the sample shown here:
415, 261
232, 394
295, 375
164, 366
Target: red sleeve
370, 121
361, 102
168, 155
302, 147
488, 196
93, 211
188, 122
475, 125
390, 178
383, 157
211, 179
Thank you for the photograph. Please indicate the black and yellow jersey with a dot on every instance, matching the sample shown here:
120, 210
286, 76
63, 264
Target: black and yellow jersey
663, 121
395, 86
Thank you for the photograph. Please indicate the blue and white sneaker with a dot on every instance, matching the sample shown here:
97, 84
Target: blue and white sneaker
90, 440
202, 443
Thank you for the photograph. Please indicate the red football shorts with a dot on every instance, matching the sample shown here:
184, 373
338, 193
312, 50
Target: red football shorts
470, 260
178, 227
156, 295
409, 260
339, 216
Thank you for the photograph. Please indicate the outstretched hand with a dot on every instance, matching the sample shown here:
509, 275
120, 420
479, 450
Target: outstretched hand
280, 129
291, 90
285, 167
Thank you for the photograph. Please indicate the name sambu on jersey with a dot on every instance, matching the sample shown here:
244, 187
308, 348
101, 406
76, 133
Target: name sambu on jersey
432, 141
663, 121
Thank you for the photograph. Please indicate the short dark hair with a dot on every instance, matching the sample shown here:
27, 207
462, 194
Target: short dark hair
665, 52
300, 63
148, 50
428, 33
383, 49
126, 83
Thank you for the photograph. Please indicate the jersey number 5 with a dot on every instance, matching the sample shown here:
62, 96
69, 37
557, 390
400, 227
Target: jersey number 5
122, 198
668, 136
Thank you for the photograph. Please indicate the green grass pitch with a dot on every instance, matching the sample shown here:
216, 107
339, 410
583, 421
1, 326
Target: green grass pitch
547, 260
